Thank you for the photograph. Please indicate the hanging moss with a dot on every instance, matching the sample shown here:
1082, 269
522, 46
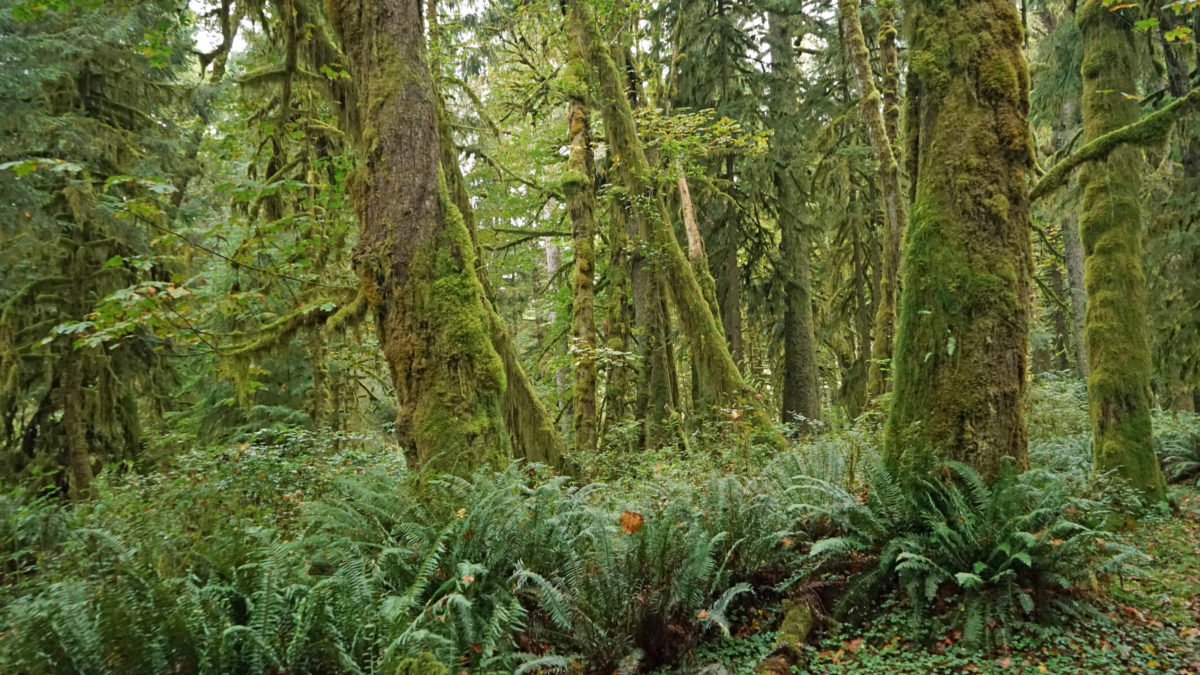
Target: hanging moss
959, 362
1110, 224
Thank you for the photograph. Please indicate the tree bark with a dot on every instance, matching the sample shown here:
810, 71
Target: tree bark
963, 325
894, 208
78, 462
801, 394
415, 256
1110, 223
579, 184
1073, 257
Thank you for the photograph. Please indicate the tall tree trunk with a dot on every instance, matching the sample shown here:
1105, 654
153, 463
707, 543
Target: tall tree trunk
720, 382
963, 325
1110, 223
1073, 259
801, 393
727, 273
415, 256
78, 462
1062, 336
894, 208
618, 334
579, 184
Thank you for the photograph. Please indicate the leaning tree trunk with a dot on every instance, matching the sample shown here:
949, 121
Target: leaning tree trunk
414, 254
1110, 224
721, 385
881, 132
963, 324
801, 393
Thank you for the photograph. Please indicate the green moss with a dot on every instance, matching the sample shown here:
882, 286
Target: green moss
998, 79
962, 326
1115, 326
572, 180
425, 664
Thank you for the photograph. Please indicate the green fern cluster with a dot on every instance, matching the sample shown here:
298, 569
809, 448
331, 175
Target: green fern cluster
1179, 454
986, 559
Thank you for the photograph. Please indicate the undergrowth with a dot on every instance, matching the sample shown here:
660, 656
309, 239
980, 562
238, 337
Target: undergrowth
304, 554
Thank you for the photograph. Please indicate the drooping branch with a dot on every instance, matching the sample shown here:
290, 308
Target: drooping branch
1148, 129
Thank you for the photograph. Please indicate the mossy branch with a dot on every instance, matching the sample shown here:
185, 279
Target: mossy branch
1146, 130
279, 331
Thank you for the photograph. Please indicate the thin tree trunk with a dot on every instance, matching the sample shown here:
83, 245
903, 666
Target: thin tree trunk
1110, 223
78, 462
962, 330
1073, 258
729, 275
618, 334
895, 210
415, 256
801, 393
579, 183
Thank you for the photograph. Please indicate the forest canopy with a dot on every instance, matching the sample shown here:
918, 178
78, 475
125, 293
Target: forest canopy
599, 336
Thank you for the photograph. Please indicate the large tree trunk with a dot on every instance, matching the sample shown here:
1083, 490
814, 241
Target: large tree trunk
801, 393
894, 209
963, 324
728, 274
415, 256
1110, 223
579, 184
721, 384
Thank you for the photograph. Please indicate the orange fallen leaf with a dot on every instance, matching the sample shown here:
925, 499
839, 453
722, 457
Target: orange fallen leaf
631, 522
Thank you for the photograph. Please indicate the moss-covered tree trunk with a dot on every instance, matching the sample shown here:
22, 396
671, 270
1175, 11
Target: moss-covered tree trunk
1073, 260
530, 428
578, 183
894, 209
721, 384
963, 323
414, 255
77, 461
618, 322
801, 393
1110, 225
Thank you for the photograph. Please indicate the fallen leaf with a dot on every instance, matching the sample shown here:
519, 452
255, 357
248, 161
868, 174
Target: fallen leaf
631, 522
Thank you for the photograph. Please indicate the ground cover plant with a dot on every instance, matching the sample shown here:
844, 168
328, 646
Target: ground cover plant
597, 336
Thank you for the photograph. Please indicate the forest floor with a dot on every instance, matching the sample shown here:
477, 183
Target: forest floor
1146, 623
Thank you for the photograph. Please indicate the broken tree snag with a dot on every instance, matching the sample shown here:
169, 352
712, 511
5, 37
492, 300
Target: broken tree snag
415, 256
963, 322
